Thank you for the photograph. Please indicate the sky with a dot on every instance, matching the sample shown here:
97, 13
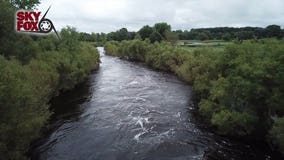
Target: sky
111, 15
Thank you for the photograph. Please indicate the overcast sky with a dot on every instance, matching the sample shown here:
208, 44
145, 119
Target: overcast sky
110, 15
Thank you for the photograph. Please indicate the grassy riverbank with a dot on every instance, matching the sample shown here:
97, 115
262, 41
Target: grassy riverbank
239, 89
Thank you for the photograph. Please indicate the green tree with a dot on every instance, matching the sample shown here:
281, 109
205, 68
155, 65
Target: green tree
273, 31
161, 28
155, 37
145, 32
233, 123
227, 37
69, 40
277, 133
112, 36
23, 98
25, 4
7, 34
22, 47
203, 36
122, 34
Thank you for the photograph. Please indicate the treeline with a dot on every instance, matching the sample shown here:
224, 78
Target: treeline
157, 33
32, 71
239, 90
162, 31
231, 33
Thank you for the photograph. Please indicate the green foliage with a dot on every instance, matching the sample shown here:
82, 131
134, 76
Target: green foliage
145, 32
48, 43
274, 31
162, 32
157, 33
7, 18
120, 35
233, 123
123, 34
203, 36
171, 37
24, 4
21, 47
111, 48
239, 88
162, 28
277, 133
156, 37
25, 89
36, 72
25, 49
207, 108
69, 40
23, 107
230, 33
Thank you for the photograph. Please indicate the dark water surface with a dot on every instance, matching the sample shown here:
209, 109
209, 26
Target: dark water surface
126, 111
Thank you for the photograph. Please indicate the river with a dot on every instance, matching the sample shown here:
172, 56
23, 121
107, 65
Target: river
126, 111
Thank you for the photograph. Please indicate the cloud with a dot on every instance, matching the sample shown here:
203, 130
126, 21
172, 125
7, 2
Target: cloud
111, 15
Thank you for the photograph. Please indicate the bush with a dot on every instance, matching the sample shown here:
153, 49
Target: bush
277, 133
28, 81
23, 107
233, 123
111, 48
237, 87
208, 108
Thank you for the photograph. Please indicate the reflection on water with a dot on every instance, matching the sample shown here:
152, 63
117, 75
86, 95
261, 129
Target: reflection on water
127, 111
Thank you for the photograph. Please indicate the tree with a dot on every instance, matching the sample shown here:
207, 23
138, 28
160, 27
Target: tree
138, 36
131, 35
24, 4
227, 37
7, 34
14, 45
273, 31
162, 28
145, 32
243, 35
111, 36
155, 37
69, 40
203, 36
85, 37
122, 34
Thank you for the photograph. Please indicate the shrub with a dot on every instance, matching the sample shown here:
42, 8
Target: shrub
233, 123
28, 82
277, 133
237, 87
207, 108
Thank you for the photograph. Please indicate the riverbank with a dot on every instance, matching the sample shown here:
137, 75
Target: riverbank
239, 89
128, 111
32, 72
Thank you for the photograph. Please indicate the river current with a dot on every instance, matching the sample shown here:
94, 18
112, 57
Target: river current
126, 111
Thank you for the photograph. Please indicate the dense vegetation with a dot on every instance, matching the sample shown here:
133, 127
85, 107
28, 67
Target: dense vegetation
163, 31
239, 90
32, 71
231, 33
159, 32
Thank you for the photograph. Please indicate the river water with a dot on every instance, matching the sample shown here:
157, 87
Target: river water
126, 111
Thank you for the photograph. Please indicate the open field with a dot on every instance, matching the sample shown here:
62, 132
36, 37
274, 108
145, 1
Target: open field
192, 45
